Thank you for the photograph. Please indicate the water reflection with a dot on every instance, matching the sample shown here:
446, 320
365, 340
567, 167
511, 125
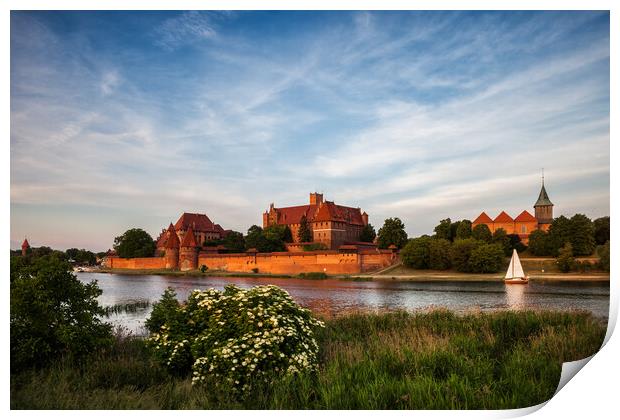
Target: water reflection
515, 295
333, 296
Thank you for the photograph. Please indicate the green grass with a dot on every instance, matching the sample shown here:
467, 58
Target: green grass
435, 360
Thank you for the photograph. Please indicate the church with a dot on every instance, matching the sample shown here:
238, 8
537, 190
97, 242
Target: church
331, 224
524, 223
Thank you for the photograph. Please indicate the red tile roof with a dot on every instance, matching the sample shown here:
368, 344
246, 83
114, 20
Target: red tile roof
503, 217
483, 218
525, 216
173, 239
327, 211
189, 240
198, 222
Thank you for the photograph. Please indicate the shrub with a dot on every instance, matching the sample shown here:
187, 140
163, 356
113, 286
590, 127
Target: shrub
565, 260
439, 254
53, 314
487, 258
239, 336
164, 311
255, 270
313, 276
203, 268
460, 253
318, 246
603, 253
416, 253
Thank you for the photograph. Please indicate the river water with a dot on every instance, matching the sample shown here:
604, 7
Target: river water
333, 296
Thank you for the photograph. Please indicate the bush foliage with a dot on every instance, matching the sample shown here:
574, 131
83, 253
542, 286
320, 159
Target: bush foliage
236, 335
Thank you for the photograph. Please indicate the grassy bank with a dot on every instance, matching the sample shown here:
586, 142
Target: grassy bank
434, 360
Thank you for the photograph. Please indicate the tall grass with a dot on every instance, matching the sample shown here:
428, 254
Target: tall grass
398, 360
128, 307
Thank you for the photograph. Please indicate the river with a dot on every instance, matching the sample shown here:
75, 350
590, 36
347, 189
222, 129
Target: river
334, 296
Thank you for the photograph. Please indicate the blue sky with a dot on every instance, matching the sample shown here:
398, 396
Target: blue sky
127, 119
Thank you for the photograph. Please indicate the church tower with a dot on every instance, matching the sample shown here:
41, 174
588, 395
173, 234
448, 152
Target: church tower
543, 208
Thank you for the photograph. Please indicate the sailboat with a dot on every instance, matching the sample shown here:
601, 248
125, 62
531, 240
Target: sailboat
515, 274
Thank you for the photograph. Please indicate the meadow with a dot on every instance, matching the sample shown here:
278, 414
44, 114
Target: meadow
397, 360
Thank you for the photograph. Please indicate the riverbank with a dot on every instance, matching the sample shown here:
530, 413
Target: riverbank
398, 360
398, 274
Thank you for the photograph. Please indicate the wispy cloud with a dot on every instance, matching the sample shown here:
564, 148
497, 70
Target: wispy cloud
187, 28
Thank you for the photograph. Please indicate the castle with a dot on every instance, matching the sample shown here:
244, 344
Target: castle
331, 224
524, 223
202, 227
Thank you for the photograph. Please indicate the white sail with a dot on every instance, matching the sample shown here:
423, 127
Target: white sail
515, 270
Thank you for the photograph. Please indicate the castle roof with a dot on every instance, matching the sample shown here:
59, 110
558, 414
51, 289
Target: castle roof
173, 239
189, 240
198, 222
25, 244
543, 198
525, 216
323, 212
483, 218
503, 217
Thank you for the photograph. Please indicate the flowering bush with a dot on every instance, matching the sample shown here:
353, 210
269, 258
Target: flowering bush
238, 335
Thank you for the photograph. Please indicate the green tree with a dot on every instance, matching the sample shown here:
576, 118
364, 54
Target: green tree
392, 233
368, 233
515, 243
463, 231
416, 253
482, 233
53, 314
461, 251
439, 254
165, 311
582, 235
501, 238
565, 259
559, 233
601, 230
134, 243
444, 229
539, 243
487, 258
603, 254
234, 242
304, 234
270, 239
72, 253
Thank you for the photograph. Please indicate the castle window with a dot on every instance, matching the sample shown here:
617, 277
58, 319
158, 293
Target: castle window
523, 229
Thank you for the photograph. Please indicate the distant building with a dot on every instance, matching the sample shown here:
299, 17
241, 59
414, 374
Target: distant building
25, 247
330, 223
524, 223
202, 227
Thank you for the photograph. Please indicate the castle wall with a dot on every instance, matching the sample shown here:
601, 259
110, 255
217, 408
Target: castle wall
329, 262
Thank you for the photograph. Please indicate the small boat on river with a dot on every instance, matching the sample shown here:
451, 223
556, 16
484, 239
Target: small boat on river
515, 274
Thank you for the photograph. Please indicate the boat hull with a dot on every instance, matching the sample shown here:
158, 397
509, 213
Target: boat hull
518, 280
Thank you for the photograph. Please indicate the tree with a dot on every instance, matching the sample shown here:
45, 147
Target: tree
559, 233
601, 230
234, 242
72, 253
134, 243
461, 251
539, 243
444, 229
392, 233
565, 258
270, 239
439, 254
482, 233
53, 314
165, 311
280, 233
304, 234
603, 254
487, 258
582, 235
416, 253
453, 228
515, 243
463, 231
501, 238
368, 233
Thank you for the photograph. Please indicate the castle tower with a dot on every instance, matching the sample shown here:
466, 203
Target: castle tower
543, 209
188, 256
365, 218
171, 253
316, 198
25, 247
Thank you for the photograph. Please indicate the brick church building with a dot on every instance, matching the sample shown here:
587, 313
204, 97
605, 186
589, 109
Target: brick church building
524, 223
331, 224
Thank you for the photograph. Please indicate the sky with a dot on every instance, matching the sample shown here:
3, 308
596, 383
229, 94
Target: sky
127, 119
